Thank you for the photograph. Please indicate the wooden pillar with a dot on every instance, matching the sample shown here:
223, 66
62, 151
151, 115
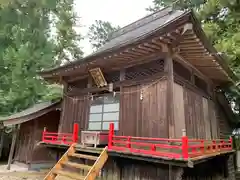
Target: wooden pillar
14, 138
170, 82
1, 141
122, 74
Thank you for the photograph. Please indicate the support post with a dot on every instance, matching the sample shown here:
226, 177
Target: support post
43, 133
75, 132
110, 135
1, 142
170, 82
14, 137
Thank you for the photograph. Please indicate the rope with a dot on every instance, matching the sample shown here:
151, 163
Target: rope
141, 90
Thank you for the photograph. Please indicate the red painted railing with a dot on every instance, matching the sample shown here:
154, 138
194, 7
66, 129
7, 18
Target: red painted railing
61, 138
183, 148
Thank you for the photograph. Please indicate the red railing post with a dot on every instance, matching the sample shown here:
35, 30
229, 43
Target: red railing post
110, 135
202, 148
214, 145
75, 132
185, 147
129, 142
43, 133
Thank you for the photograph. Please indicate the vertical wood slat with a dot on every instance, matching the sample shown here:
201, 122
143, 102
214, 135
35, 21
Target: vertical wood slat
179, 114
199, 116
76, 109
130, 110
206, 118
146, 117
154, 116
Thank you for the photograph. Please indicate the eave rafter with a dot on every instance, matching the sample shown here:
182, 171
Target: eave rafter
192, 49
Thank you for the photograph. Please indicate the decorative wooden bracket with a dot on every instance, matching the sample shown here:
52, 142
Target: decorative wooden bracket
98, 77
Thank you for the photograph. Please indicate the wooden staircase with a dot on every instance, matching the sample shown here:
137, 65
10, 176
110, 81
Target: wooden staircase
67, 167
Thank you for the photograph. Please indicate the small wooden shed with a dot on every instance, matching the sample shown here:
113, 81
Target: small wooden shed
27, 133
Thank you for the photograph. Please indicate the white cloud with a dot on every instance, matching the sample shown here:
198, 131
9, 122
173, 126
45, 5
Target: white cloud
117, 12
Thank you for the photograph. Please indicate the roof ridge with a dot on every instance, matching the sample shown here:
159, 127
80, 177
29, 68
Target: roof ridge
142, 21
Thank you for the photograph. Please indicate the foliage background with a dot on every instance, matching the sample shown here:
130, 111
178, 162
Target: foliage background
28, 45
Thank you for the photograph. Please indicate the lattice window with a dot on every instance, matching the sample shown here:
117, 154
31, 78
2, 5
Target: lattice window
200, 83
112, 76
144, 70
180, 70
80, 84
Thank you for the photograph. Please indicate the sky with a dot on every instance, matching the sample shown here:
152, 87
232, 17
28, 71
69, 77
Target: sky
118, 12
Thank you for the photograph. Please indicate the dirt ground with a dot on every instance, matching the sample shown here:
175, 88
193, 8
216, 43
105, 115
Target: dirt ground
30, 175
22, 175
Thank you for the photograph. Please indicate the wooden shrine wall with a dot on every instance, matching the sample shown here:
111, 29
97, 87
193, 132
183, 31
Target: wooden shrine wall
147, 116
195, 113
74, 109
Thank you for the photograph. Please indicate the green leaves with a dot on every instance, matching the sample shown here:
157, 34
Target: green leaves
27, 46
100, 32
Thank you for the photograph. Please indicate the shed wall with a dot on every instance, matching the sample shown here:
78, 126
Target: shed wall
30, 134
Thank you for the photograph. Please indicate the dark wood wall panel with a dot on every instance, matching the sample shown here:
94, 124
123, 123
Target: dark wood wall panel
179, 115
154, 117
225, 129
130, 111
30, 134
146, 116
200, 116
74, 110
207, 120
213, 119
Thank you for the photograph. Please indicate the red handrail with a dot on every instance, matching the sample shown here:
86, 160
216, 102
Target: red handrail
61, 138
183, 148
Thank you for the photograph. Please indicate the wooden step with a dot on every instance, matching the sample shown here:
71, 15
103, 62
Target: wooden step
69, 174
84, 156
76, 165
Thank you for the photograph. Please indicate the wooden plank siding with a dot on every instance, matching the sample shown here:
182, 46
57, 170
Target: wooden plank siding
154, 119
146, 117
225, 129
75, 109
130, 111
179, 115
200, 116
30, 134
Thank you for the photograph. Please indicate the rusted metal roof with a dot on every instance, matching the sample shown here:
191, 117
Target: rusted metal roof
31, 113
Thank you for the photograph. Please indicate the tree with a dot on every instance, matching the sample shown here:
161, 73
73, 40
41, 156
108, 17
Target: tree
27, 46
180, 4
100, 32
221, 22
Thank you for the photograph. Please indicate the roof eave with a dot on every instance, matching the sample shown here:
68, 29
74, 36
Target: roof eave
221, 60
18, 120
50, 73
